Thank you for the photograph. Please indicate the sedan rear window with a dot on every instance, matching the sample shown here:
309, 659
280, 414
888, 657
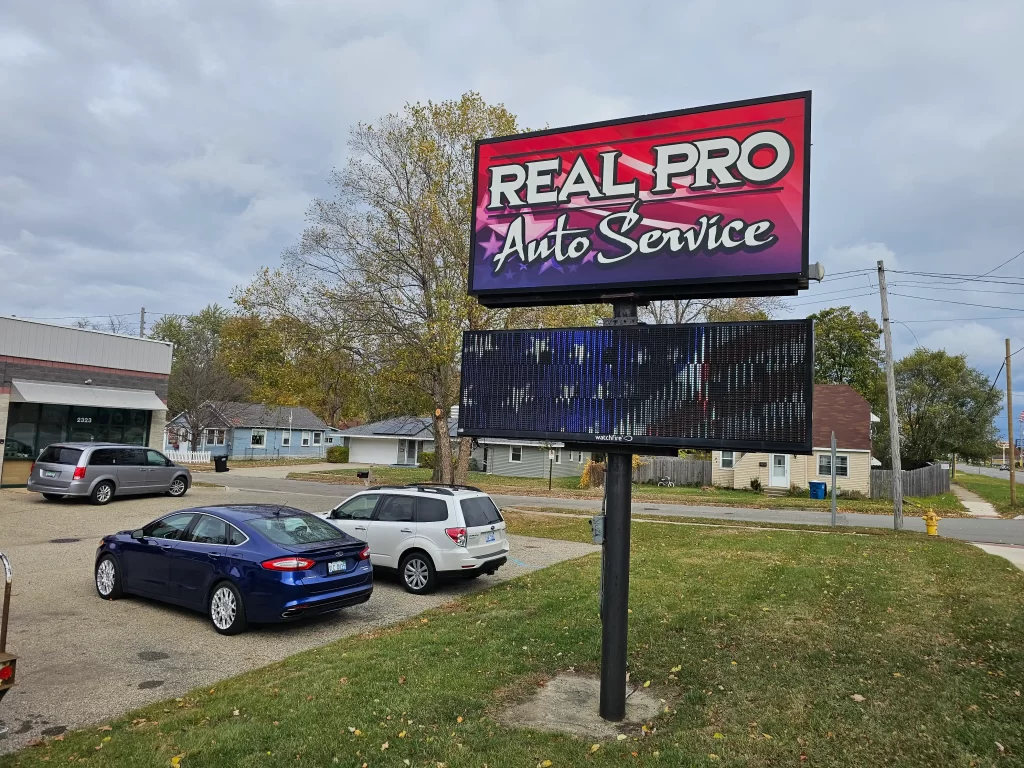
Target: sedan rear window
480, 510
55, 454
292, 530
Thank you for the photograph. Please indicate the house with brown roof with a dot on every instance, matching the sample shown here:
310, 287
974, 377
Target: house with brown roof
837, 408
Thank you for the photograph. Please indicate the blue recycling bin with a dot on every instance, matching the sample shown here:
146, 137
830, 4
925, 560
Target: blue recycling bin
817, 489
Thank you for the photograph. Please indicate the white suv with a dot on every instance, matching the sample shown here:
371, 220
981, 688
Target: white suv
426, 531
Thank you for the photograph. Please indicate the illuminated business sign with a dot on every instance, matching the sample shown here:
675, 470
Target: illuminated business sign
734, 386
700, 202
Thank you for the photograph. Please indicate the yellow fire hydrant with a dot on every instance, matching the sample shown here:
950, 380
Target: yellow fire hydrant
931, 523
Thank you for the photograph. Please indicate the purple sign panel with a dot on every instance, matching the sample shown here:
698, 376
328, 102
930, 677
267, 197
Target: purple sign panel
701, 202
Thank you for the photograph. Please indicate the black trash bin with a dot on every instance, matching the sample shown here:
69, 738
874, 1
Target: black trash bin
220, 463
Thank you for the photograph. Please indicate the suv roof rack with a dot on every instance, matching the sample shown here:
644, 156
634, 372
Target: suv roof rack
443, 486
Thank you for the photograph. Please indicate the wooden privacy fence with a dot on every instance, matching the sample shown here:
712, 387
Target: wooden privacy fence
679, 471
926, 481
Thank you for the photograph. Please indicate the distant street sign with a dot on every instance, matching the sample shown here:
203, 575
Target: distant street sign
735, 386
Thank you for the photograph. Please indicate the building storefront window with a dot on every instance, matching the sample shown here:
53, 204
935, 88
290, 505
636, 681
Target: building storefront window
33, 426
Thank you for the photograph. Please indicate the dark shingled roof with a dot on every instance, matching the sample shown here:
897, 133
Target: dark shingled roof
407, 427
269, 417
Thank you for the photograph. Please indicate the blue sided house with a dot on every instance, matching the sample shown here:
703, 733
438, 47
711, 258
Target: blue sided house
253, 431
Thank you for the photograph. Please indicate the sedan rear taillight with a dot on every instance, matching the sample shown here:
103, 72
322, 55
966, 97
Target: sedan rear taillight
365, 554
79, 473
458, 535
288, 564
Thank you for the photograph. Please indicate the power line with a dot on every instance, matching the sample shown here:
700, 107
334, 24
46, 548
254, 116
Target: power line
964, 303
909, 329
1003, 264
849, 272
960, 319
961, 277
933, 287
819, 301
73, 317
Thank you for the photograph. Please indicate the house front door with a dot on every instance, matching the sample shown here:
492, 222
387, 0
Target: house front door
779, 477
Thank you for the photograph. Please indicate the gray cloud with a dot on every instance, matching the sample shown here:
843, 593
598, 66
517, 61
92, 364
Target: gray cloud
158, 154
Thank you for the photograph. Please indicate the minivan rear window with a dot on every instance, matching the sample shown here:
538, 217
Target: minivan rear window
292, 530
55, 454
480, 510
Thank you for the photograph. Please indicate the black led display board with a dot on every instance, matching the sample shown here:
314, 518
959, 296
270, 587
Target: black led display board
732, 386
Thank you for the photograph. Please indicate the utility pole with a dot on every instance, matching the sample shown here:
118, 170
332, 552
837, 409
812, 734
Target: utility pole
142, 323
894, 421
1009, 429
618, 485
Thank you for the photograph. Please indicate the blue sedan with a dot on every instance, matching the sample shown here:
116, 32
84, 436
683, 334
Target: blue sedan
257, 563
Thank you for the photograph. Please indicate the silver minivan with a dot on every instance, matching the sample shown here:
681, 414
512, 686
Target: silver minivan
101, 471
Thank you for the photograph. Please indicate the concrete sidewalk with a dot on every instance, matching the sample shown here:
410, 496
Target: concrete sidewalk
973, 503
1014, 554
280, 472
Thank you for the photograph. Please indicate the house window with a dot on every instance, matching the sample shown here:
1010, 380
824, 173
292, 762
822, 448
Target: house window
305, 439
515, 454
318, 438
215, 436
286, 439
558, 455
728, 459
825, 465
258, 438
330, 440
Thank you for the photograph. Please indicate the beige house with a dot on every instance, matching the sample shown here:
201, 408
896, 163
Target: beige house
836, 407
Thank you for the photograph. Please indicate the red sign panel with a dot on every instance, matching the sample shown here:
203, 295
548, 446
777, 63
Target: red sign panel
701, 202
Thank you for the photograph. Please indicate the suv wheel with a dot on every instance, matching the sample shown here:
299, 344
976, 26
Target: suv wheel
178, 487
418, 574
102, 493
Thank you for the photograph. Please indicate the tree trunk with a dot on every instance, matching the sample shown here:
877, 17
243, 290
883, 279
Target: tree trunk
462, 466
442, 448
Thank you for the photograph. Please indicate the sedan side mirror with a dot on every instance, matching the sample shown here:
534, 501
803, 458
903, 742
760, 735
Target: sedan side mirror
137, 535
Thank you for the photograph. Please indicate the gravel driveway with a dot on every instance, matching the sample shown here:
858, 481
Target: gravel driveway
83, 660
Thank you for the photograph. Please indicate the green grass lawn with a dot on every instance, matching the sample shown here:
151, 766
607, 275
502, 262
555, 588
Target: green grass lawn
945, 505
769, 648
994, 490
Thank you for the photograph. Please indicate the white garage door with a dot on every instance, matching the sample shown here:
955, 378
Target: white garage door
369, 450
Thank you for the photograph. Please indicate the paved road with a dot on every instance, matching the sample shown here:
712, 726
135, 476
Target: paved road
967, 529
990, 471
83, 660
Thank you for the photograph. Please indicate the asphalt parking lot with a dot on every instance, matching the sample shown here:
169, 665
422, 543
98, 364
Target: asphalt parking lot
83, 660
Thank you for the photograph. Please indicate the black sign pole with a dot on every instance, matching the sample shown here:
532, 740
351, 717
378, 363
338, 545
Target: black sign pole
615, 575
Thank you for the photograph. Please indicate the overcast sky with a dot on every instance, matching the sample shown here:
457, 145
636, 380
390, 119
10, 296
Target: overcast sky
159, 153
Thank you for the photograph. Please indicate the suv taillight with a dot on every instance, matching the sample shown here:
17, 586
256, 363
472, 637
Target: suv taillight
458, 535
288, 564
32, 469
79, 473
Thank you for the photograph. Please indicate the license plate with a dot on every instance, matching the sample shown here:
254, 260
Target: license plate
49, 473
338, 566
490, 538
